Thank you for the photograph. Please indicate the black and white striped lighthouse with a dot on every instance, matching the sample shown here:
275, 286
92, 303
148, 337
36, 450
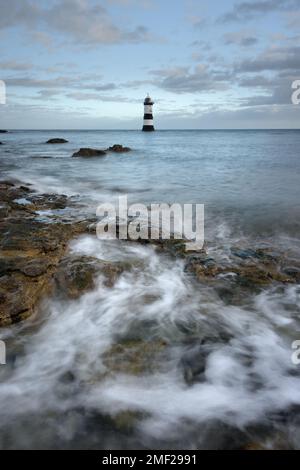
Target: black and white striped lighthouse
148, 115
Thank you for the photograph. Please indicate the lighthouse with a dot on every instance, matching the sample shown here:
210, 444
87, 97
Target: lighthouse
148, 115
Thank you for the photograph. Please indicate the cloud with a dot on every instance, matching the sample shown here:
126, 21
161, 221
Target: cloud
97, 97
240, 38
59, 83
16, 66
251, 9
81, 20
184, 80
273, 59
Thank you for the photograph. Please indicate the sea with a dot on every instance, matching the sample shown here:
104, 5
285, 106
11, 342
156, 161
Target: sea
215, 373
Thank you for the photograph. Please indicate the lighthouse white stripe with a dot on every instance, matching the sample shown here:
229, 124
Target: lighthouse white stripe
148, 122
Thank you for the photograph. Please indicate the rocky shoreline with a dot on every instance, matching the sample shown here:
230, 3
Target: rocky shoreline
34, 261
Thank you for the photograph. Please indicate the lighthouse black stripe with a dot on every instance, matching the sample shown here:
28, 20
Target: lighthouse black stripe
148, 116
148, 128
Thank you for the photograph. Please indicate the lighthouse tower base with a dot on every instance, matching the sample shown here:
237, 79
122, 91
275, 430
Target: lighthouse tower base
148, 128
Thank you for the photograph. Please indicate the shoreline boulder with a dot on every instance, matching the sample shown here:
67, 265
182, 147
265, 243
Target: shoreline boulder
87, 152
57, 141
118, 149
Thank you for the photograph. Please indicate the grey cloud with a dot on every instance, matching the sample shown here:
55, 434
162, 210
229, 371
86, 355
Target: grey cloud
274, 59
97, 97
258, 81
16, 66
251, 9
184, 80
278, 92
81, 20
240, 38
62, 82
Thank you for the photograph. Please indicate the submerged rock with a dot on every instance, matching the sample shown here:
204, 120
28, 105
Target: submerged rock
87, 152
57, 141
135, 357
118, 149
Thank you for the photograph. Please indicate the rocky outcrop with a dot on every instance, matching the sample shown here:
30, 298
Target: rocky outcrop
3, 131
30, 249
57, 141
118, 149
87, 153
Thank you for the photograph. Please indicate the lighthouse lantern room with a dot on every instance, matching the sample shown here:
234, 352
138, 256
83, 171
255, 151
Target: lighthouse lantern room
148, 115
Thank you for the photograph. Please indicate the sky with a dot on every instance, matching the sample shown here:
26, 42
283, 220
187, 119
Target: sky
88, 64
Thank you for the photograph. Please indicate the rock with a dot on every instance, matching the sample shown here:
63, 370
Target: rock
293, 272
118, 149
57, 141
244, 254
135, 357
3, 131
76, 274
87, 152
30, 250
1, 143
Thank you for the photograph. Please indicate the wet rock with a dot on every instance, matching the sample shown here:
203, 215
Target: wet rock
30, 250
76, 274
50, 201
3, 131
193, 364
118, 149
292, 272
4, 210
244, 254
1, 143
253, 268
87, 152
57, 141
135, 357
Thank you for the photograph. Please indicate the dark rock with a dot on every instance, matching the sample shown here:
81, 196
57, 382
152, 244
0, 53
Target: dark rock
119, 149
3, 131
293, 272
244, 254
1, 143
193, 363
25, 188
87, 152
57, 141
